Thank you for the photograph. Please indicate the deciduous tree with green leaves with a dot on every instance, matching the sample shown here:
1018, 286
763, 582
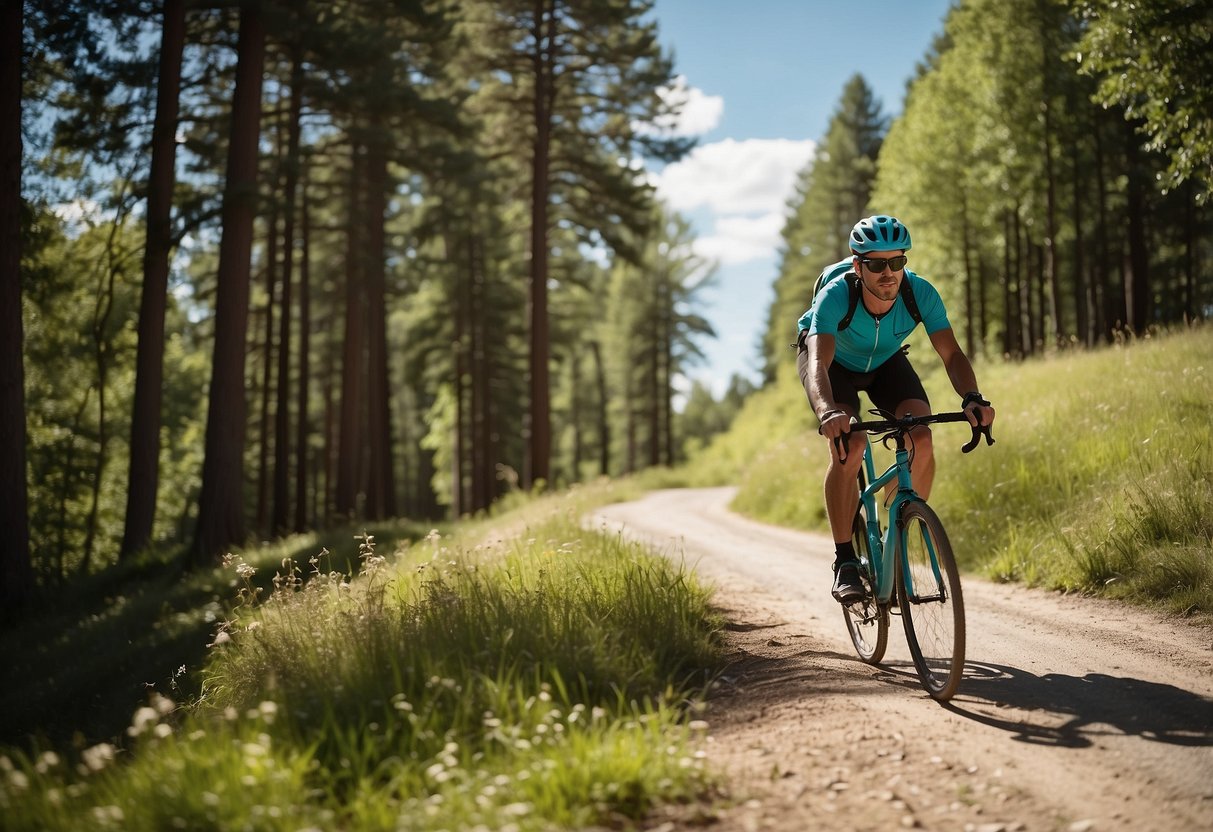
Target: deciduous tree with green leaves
1154, 60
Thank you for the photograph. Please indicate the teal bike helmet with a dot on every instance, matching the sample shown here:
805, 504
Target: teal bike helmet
879, 233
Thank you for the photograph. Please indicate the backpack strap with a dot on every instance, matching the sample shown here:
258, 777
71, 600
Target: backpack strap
853, 292
907, 296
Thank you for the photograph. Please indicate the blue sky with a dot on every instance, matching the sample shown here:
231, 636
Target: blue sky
762, 80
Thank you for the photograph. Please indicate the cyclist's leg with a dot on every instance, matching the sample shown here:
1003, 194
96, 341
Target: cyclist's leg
841, 491
897, 389
841, 494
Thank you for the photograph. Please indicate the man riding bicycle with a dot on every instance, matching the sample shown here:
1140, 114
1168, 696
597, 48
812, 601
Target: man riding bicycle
851, 340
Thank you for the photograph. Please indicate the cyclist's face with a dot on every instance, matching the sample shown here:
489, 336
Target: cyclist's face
885, 283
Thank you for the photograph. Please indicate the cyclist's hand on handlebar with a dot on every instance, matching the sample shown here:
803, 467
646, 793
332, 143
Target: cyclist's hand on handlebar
981, 417
979, 411
836, 426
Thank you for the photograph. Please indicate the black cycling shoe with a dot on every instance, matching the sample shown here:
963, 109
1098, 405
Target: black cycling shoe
848, 587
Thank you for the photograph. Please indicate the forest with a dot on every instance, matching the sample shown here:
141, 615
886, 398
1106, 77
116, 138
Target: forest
270, 267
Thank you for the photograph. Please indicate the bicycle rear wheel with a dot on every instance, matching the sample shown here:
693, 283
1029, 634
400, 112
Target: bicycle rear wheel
930, 601
867, 620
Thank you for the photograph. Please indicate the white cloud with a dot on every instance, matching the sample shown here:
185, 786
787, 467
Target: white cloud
735, 177
739, 191
700, 113
739, 239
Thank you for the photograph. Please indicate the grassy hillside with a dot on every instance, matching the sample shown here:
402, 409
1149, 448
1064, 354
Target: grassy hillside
1099, 481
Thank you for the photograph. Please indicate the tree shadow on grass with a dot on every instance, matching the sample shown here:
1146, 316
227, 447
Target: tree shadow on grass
1073, 711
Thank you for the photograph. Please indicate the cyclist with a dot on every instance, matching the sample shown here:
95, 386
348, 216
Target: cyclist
846, 346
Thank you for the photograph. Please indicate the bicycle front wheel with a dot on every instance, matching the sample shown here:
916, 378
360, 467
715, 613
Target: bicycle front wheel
930, 601
867, 620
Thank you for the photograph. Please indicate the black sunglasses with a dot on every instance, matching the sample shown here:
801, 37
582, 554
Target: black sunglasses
876, 265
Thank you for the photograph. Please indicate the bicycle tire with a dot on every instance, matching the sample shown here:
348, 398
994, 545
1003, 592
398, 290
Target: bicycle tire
867, 620
933, 612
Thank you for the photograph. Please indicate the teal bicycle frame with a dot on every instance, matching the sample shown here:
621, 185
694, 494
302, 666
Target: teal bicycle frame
882, 567
910, 570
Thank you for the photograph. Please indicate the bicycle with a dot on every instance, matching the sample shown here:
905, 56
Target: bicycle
921, 583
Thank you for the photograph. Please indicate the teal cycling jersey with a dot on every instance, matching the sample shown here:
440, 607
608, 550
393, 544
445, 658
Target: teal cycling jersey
867, 342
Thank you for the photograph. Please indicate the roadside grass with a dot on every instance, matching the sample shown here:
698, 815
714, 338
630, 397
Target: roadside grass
83, 658
522, 682
1099, 481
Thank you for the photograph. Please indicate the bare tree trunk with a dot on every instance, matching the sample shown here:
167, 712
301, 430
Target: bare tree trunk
143, 480
1106, 318
16, 571
1009, 336
221, 503
267, 368
1190, 252
539, 430
1050, 332
604, 422
282, 450
381, 490
1083, 307
353, 370
1137, 271
302, 424
460, 502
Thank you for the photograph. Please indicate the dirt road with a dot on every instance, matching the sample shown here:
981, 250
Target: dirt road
1075, 714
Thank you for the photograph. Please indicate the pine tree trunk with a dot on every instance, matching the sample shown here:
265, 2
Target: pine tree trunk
1137, 273
221, 502
280, 523
539, 437
460, 502
16, 571
1105, 316
144, 473
267, 370
302, 425
381, 487
1083, 306
1009, 339
484, 447
349, 436
1050, 331
604, 422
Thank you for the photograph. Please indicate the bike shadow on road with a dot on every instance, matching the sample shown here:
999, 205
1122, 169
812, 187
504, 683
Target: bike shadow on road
1073, 711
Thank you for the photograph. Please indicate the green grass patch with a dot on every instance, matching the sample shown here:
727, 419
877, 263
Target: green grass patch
543, 679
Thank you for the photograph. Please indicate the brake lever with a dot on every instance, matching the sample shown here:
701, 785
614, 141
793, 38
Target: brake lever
840, 444
977, 433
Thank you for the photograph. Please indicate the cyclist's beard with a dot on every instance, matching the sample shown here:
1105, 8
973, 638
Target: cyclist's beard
882, 289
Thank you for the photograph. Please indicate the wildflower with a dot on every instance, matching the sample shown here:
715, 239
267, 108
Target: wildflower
268, 711
162, 730
144, 718
163, 704
18, 780
98, 756
106, 815
46, 761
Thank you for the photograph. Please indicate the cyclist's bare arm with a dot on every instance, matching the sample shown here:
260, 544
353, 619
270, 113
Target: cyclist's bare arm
960, 372
821, 392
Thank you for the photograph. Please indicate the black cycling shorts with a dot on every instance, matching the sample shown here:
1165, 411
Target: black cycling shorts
890, 384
